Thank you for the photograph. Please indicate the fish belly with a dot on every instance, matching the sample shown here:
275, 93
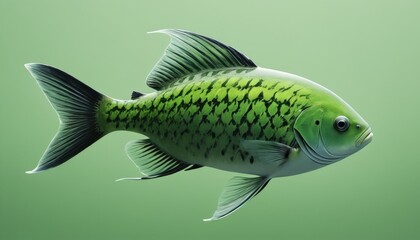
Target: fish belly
218, 153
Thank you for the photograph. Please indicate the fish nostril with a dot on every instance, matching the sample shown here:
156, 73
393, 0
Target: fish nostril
358, 126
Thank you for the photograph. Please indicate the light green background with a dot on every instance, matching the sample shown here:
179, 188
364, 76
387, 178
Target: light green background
365, 51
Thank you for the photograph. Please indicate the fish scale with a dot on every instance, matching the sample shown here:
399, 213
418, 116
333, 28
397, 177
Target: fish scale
212, 107
214, 113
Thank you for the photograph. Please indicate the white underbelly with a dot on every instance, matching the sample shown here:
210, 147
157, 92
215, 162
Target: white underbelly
300, 163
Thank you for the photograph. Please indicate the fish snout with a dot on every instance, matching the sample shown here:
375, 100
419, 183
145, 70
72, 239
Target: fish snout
365, 138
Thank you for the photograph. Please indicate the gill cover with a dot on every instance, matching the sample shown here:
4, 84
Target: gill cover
308, 125
308, 128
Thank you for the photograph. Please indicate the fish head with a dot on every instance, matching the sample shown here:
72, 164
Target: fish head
330, 132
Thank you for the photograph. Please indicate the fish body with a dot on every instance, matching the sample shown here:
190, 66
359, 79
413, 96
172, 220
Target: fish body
202, 118
212, 107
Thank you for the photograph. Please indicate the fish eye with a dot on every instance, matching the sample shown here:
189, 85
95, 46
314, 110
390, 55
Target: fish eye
341, 123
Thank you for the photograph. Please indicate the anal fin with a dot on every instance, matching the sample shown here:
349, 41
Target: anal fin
237, 192
152, 161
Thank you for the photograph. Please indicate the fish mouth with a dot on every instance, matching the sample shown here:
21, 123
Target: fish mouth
314, 155
365, 138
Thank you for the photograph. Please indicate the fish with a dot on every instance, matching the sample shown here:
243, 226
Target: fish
212, 107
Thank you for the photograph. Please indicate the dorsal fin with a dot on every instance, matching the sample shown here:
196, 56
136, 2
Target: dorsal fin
189, 53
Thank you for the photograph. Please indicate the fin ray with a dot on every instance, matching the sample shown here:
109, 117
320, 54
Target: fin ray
151, 160
76, 105
189, 53
237, 192
267, 151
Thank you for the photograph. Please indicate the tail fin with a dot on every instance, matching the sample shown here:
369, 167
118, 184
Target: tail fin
76, 105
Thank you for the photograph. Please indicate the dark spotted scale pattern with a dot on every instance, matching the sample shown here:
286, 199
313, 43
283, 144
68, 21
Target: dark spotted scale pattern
203, 118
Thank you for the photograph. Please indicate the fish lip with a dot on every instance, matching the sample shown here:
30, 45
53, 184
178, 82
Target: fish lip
365, 138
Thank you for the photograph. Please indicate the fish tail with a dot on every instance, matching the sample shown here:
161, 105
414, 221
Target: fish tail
76, 105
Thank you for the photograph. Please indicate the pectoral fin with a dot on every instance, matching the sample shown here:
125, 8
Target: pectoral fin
267, 151
237, 192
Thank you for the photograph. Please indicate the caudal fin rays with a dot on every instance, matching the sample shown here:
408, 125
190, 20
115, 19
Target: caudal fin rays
76, 105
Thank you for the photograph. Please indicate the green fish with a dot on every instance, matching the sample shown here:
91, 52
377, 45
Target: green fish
212, 107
